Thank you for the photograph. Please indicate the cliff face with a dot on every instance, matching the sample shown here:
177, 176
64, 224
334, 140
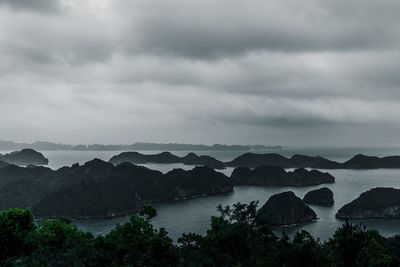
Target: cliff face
23, 187
138, 158
277, 176
193, 159
198, 181
3, 163
285, 209
253, 160
377, 203
99, 189
322, 197
91, 198
167, 157
370, 162
301, 161
318, 162
25, 157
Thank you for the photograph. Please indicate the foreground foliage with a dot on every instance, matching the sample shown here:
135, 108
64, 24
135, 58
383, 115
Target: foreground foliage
234, 239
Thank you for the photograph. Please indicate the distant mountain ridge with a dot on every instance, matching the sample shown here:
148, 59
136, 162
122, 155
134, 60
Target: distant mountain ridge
252, 160
167, 158
50, 146
359, 161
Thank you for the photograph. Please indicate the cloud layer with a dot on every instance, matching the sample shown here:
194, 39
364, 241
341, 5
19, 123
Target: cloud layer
299, 72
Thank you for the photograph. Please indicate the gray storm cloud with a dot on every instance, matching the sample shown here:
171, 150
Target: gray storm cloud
289, 72
34, 6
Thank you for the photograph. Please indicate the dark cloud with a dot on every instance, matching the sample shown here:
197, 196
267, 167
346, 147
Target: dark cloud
314, 71
46, 6
210, 29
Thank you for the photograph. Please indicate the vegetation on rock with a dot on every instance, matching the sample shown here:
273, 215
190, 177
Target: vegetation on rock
322, 196
24, 157
377, 203
100, 189
285, 209
278, 176
235, 238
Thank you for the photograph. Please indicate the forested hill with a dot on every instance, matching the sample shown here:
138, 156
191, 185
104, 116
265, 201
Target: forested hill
234, 238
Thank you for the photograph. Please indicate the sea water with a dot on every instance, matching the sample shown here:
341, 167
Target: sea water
193, 215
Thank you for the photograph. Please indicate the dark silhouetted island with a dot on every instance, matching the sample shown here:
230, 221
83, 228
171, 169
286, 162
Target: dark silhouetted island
99, 189
3, 164
138, 158
285, 209
253, 160
24, 157
167, 157
377, 203
277, 176
203, 160
371, 162
320, 197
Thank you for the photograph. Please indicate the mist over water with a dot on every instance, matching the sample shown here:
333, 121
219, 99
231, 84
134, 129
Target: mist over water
193, 215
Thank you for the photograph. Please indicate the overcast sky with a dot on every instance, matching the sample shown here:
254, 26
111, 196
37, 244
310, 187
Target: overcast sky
289, 72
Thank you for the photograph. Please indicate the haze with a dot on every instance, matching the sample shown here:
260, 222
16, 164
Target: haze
294, 72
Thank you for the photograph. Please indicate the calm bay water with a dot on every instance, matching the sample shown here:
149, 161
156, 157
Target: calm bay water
193, 215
